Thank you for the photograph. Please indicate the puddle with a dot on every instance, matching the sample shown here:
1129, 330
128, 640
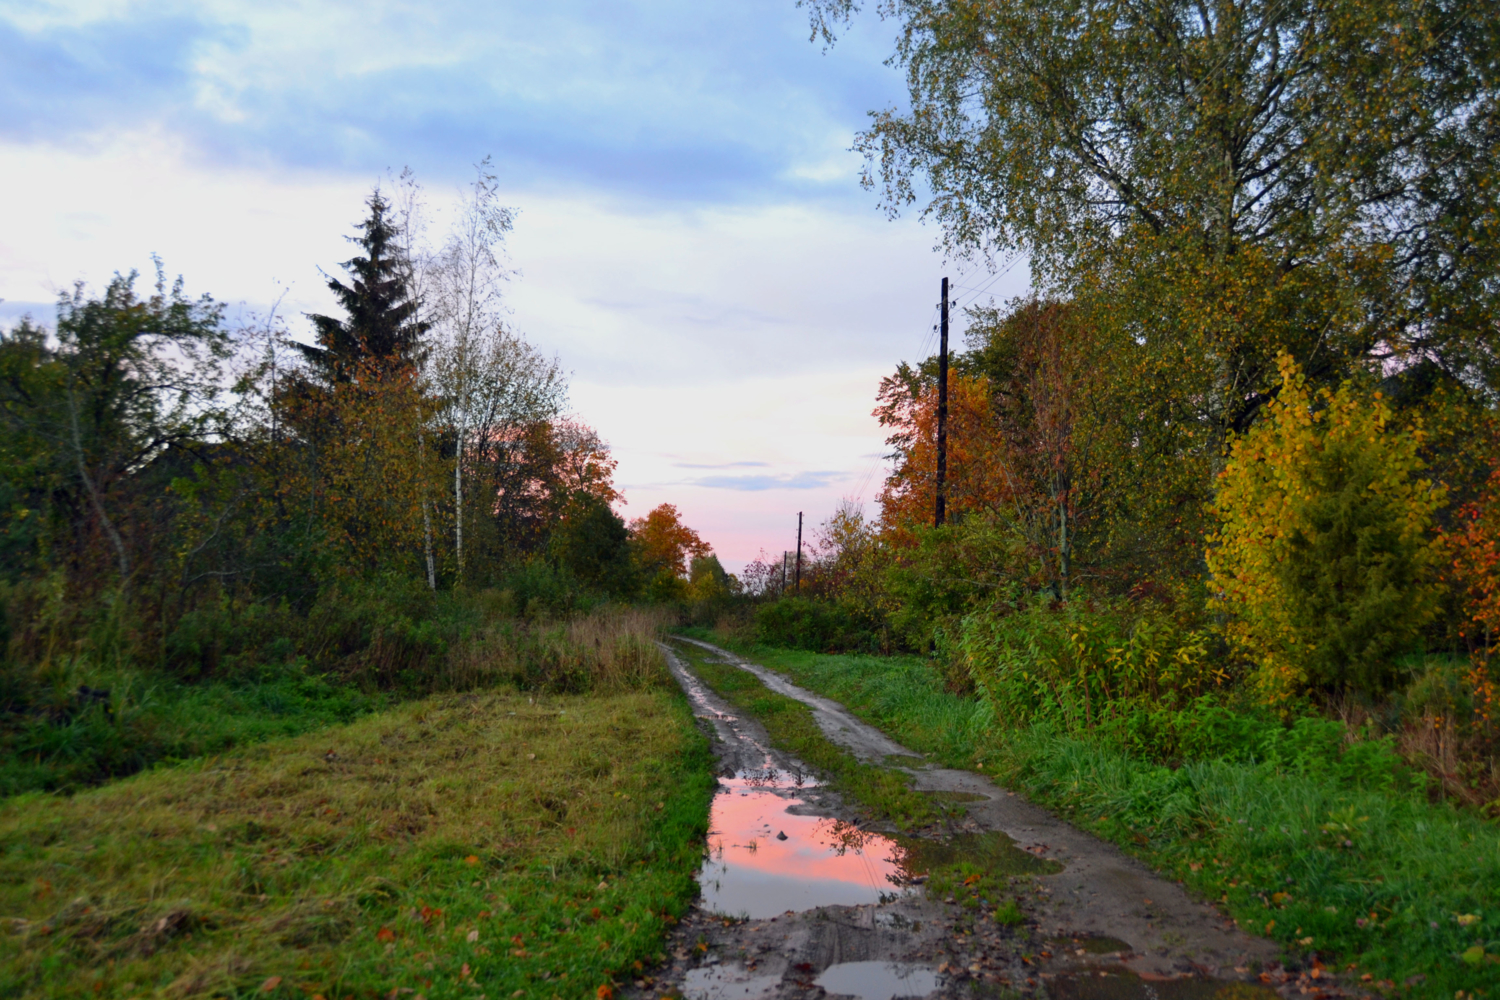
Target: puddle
726, 982
993, 851
1122, 984
1090, 945
878, 980
751, 871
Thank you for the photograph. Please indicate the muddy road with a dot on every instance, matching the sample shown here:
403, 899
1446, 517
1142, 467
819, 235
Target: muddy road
799, 899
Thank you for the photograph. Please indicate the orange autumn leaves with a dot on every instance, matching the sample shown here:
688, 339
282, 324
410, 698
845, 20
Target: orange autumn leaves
664, 544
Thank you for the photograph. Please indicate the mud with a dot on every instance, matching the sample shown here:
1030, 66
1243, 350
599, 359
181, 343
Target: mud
835, 909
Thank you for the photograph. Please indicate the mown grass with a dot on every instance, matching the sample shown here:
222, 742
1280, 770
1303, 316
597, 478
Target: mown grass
791, 726
487, 844
1376, 880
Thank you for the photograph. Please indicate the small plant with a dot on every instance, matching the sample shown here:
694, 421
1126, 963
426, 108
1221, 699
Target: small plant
1009, 914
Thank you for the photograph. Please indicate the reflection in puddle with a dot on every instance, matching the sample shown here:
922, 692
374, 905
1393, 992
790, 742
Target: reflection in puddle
1122, 984
764, 860
726, 982
878, 980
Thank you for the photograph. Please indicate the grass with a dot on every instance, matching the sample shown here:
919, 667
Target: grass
1380, 882
463, 845
791, 726
143, 722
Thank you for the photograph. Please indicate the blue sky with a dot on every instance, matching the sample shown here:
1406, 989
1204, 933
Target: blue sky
692, 241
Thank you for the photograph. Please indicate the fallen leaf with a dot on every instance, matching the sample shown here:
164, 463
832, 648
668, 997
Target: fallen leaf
1465, 919
385, 934
1474, 955
270, 984
473, 936
605, 992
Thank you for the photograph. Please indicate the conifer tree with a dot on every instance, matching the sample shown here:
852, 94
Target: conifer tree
382, 334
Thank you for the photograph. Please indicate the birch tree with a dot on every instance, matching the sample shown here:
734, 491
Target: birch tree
489, 378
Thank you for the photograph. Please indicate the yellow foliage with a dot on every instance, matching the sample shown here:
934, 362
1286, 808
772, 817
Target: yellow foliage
1270, 493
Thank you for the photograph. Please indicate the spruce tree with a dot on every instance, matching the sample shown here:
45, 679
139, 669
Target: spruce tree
382, 334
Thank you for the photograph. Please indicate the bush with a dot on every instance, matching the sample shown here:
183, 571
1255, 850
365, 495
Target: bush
819, 626
1083, 663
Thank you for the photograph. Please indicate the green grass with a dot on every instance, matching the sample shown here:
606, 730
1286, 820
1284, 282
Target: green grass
792, 727
144, 721
456, 846
1372, 878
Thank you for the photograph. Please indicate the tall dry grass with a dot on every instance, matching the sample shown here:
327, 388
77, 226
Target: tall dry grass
611, 649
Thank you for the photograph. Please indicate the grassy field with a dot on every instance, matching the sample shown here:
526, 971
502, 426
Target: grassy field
1382, 883
479, 845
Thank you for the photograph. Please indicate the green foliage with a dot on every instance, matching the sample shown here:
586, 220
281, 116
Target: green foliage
1083, 663
1322, 552
808, 623
593, 545
121, 723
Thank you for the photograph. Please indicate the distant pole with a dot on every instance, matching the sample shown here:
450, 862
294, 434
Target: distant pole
942, 421
784, 555
798, 578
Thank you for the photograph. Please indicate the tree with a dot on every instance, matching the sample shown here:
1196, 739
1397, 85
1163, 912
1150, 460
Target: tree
382, 334
664, 544
127, 380
1217, 181
1322, 555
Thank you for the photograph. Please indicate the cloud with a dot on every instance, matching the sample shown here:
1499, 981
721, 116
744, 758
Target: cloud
662, 99
754, 484
719, 465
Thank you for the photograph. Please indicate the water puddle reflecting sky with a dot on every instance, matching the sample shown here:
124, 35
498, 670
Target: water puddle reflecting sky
751, 871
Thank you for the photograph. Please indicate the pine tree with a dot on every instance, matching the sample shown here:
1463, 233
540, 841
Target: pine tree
382, 335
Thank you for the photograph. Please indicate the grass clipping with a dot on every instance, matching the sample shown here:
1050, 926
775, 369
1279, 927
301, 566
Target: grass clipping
522, 846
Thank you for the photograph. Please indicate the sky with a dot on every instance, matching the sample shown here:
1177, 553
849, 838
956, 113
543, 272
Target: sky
692, 241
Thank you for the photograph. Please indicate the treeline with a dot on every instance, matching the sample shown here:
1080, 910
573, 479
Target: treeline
1239, 448
183, 501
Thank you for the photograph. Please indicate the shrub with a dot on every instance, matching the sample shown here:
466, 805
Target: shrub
1322, 551
1084, 663
819, 626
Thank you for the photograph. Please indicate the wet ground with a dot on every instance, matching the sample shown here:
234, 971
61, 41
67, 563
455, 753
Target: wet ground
799, 899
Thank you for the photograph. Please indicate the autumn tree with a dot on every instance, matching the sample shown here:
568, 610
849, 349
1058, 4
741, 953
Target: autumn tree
664, 545
1323, 557
1214, 182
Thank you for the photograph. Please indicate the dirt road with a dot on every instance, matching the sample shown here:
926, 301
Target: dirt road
801, 901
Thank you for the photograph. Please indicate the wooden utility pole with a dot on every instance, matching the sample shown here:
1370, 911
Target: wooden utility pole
798, 583
942, 416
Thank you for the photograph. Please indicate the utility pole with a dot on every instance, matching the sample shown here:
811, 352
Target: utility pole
799, 553
942, 421
784, 554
